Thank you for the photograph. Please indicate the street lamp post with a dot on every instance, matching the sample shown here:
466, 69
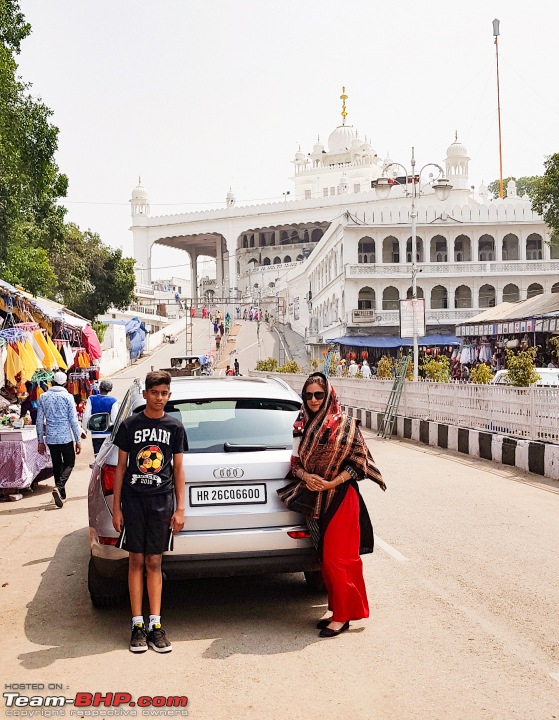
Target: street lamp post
442, 189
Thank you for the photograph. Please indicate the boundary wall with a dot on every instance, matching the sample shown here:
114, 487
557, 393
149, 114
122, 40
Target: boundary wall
487, 435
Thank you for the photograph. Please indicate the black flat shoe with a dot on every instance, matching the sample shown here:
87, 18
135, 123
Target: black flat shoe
321, 624
328, 633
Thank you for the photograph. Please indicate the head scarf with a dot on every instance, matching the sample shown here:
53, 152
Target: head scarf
329, 440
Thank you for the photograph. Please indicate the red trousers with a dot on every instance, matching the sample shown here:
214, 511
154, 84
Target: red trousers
342, 568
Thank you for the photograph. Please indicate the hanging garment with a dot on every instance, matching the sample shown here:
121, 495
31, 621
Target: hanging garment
13, 365
48, 357
57, 356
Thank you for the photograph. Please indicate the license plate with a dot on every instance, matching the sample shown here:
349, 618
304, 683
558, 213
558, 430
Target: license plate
228, 495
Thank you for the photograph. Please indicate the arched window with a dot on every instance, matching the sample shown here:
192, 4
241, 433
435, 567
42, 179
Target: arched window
419, 249
555, 288
486, 250
277, 260
534, 245
439, 249
486, 296
511, 247
511, 293
534, 289
463, 297
366, 250
245, 241
261, 240
316, 234
409, 293
390, 298
439, 297
266, 261
390, 250
251, 241
287, 259
462, 249
366, 299
284, 237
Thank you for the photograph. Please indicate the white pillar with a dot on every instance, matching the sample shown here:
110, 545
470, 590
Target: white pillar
142, 249
219, 266
232, 251
194, 275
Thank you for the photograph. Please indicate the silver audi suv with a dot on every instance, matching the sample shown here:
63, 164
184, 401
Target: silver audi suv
240, 439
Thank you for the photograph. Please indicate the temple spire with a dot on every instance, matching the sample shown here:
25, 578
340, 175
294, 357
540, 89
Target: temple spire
343, 98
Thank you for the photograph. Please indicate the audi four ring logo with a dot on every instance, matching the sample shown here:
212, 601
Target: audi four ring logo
228, 472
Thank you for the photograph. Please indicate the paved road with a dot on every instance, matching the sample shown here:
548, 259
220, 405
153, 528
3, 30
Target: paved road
463, 588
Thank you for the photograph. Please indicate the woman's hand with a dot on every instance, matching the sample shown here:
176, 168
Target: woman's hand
314, 482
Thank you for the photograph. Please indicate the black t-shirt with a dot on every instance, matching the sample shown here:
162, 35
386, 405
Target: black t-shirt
150, 444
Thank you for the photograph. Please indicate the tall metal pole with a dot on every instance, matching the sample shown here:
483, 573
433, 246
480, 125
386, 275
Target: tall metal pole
414, 269
496, 35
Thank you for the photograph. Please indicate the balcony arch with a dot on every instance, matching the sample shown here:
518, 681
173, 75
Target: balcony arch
419, 250
390, 298
463, 297
316, 234
511, 293
439, 298
266, 261
534, 289
390, 250
462, 249
287, 259
409, 293
277, 260
366, 251
486, 296
366, 299
486, 249
555, 287
511, 247
534, 247
439, 249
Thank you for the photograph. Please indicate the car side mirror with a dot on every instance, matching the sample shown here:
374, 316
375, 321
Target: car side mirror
99, 422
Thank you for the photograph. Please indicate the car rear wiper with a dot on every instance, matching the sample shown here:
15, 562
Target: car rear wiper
231, 447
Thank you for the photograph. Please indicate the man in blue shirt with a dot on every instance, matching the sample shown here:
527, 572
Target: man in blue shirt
101, 403
57, 426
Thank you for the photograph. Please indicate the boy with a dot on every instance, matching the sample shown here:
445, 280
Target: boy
150, 462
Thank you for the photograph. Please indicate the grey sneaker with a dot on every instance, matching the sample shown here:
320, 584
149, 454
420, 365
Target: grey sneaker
57, 498
138, 642
157, 640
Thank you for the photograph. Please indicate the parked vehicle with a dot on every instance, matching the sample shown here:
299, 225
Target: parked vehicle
240, 440
169, 339
548, 377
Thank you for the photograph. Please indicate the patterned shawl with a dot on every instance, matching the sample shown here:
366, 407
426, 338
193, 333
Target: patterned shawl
330, 439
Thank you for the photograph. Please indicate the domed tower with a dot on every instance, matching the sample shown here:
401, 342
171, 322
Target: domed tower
139, 203
457, 164
230, 198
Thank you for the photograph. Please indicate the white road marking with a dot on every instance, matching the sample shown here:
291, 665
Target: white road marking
390, 550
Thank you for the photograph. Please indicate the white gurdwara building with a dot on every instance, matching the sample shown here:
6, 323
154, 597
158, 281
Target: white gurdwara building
334, 260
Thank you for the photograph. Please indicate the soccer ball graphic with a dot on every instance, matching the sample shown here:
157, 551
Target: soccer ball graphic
150, 459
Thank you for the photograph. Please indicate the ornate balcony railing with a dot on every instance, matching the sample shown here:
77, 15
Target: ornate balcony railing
454, 268
376, 318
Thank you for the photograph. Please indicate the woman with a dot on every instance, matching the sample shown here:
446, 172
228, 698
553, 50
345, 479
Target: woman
329, 456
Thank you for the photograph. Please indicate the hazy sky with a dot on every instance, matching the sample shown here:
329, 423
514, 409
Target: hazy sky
200, 96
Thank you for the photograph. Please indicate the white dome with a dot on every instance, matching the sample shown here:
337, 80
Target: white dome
456, 149
341, 139
318, 149
140, 193
356, 142
299, 155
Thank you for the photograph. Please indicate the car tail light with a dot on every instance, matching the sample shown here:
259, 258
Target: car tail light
107, 540
108, 473
298, 534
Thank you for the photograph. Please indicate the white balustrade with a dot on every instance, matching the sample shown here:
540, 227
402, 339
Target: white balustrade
528, 413
453, 268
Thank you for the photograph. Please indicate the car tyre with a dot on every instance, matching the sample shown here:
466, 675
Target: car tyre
315, 581
105, 593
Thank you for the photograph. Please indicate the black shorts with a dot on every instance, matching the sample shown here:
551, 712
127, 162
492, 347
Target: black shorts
146, 523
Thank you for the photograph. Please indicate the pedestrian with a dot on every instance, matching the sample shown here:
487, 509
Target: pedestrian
57, 427
148, 503
340, 368
229, 371
329, 457
28, 404
216, 327
217, 342
236, 366
353, 369
221, 328
366, 370
101, 403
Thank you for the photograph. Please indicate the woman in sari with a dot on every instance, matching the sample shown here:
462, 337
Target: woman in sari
329, 457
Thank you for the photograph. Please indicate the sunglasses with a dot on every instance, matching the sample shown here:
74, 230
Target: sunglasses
320, 395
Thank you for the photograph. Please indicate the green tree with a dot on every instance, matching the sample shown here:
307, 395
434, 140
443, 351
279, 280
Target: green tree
545, 200
520, 367
526, 185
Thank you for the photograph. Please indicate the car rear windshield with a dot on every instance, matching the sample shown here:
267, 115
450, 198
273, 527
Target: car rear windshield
209, 424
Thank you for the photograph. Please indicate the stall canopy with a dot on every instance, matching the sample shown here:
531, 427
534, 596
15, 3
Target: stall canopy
538, 306
395, 342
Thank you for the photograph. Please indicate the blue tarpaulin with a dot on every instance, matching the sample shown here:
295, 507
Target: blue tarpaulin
394, 342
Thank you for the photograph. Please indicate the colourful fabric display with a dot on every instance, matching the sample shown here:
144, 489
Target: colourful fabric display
57, 356
13, 365
48, 357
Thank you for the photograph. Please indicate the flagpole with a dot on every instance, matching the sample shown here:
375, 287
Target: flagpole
496, 36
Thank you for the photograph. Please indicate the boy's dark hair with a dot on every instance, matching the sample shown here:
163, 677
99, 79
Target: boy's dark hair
157, 377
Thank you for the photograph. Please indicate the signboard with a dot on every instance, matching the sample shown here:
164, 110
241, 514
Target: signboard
407, 316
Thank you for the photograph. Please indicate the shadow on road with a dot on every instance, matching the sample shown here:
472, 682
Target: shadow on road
252, 615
